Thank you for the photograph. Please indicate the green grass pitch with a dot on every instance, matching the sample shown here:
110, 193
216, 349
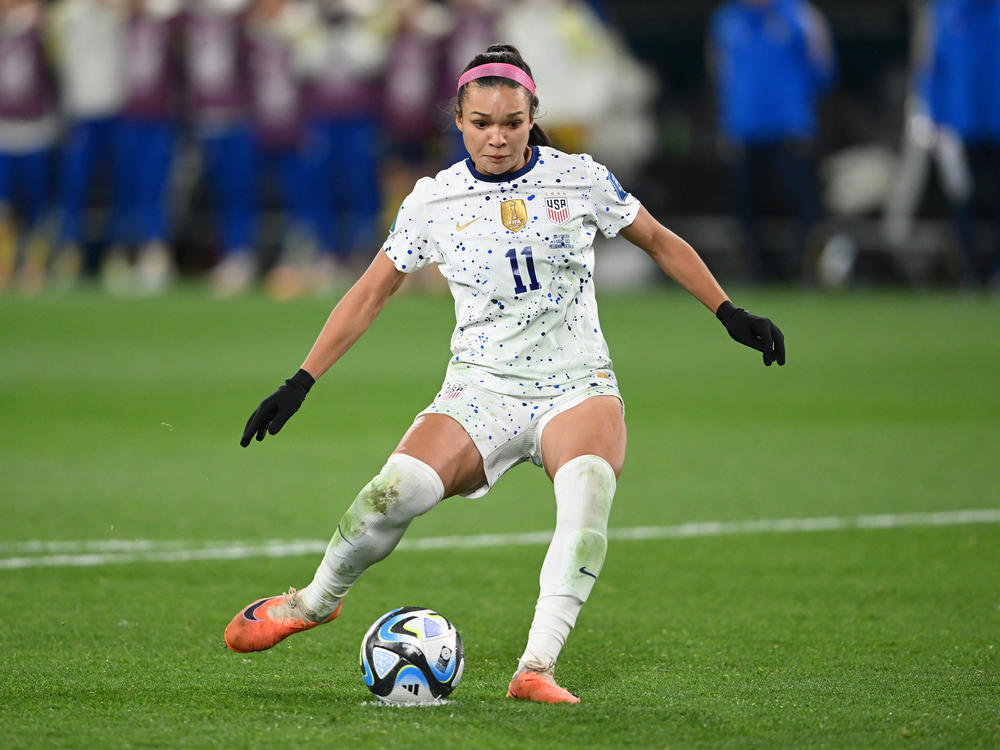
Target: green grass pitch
121, 420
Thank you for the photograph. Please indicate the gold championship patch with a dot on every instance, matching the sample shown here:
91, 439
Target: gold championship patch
514, 214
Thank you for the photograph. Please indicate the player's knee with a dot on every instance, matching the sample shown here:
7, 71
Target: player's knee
585, 489
404, 489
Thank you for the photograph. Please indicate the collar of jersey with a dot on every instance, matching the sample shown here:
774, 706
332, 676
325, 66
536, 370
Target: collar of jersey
508, 176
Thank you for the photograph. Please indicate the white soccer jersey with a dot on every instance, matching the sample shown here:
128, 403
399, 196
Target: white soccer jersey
517, 251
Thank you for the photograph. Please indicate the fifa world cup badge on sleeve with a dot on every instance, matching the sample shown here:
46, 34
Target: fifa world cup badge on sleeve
619, 190
514, 214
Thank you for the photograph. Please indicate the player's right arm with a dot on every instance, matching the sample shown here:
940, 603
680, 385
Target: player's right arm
353, 314
350, 318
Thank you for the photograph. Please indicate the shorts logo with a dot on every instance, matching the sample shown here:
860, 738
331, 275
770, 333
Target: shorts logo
452, 392
557, 209
514, 214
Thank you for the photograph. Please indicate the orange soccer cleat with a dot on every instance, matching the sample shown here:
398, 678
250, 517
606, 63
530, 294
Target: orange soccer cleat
540, 687
269, 621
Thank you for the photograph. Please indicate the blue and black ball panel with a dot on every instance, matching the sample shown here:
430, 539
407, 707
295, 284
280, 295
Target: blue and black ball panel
412, 655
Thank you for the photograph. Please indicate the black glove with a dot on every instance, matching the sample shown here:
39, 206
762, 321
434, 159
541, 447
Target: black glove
277, 408
753, 331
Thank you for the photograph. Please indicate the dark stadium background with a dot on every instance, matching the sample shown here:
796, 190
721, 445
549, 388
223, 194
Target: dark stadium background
684, 181
872, 38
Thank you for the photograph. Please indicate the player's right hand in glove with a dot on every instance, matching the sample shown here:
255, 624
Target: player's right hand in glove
277, 408
753, 331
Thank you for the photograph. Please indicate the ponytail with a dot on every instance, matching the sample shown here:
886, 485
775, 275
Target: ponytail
537, 136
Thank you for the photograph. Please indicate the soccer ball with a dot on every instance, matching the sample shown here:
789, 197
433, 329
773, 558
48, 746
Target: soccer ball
412, 655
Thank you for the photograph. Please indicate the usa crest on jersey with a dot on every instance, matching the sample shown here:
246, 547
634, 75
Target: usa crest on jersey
557, 209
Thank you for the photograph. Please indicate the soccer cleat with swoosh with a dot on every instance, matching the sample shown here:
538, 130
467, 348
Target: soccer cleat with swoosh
269, 621
539, 687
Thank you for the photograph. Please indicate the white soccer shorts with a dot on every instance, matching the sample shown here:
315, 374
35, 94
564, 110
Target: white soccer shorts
508, 429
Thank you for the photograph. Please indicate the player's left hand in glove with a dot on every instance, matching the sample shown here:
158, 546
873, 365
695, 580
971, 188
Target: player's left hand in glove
753, 331
277, 408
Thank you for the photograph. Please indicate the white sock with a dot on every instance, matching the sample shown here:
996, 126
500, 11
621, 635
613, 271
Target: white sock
584, 490
371, 528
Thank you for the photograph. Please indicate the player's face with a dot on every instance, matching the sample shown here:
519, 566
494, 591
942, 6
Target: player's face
495, 125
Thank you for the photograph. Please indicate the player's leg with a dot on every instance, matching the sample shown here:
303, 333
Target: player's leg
363, 201
992, 178
747, 170
436, 458
155, 267
583, 451
240, 205
958, 183
76, 169
33, 171
8, 225
796, 170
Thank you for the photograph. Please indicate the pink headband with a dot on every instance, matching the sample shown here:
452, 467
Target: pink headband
504, 70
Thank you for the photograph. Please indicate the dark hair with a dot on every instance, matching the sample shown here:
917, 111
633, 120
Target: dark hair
505, 53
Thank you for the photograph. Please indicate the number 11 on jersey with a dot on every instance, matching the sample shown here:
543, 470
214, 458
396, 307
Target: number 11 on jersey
519, 287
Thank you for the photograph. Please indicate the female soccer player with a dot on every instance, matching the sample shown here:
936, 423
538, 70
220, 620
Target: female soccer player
530, 379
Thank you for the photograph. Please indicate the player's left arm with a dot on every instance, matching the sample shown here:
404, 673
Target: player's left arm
676, 258
680, 262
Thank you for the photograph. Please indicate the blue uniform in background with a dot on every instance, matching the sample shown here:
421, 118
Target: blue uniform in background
773, 59
342, 170
962, 78
25, 180
959, 79
218, 89
90, 146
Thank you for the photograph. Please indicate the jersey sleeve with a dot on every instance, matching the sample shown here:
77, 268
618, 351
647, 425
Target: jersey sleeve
614, 208
408, 245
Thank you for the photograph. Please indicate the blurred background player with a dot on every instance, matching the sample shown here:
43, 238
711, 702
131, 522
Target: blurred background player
361, 66
959, 77
215, 52
416, 139
28, 132
147, 141
771, 59
89, 44
274, 29
344, 61
413, 97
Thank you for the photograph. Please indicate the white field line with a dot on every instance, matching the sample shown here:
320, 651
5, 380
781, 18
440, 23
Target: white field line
39, 554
